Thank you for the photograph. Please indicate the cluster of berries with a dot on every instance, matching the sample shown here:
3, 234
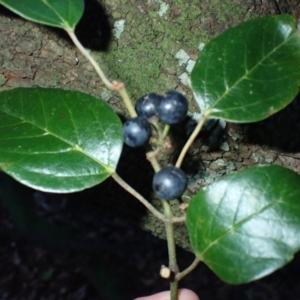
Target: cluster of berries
170, 108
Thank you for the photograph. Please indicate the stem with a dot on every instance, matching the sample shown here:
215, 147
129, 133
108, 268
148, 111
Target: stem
171, 247
152, 158
87, 54
167, 217
126, 99
179, 220
174, 290
138, 196
154, 122
166, 130
190, 141
185, 272
170, 236
114, 86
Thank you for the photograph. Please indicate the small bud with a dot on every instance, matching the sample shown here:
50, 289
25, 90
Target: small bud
165, 272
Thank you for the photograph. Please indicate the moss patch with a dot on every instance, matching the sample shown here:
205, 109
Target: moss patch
144, 56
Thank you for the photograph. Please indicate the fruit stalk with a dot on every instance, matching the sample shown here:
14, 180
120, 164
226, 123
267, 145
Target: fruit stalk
190, 142
166, 130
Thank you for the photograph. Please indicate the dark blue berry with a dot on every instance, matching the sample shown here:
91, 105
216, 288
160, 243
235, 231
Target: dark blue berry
146, 105
169, 183
172, 108
136, 132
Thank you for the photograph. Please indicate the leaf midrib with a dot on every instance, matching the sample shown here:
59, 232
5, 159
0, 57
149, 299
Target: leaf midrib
64, 24
74, 147
239, 224
227, 91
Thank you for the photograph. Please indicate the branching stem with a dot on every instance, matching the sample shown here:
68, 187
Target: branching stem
152, 158
139, 197
167, 217
185, 272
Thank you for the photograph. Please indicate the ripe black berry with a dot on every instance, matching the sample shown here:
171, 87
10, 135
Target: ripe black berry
136, 131
169, 183
172, 108
146, 105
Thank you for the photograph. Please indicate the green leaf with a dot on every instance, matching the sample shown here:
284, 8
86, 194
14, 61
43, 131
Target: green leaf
247, 225
56, 140
64, 14
250, 71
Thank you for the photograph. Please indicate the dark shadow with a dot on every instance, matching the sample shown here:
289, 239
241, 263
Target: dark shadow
280, 131
109, 199
61, 224
8, 13
94, 30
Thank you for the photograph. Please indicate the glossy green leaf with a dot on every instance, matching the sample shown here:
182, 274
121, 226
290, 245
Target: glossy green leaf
247, 225
250, 71
64, 14
56, 140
